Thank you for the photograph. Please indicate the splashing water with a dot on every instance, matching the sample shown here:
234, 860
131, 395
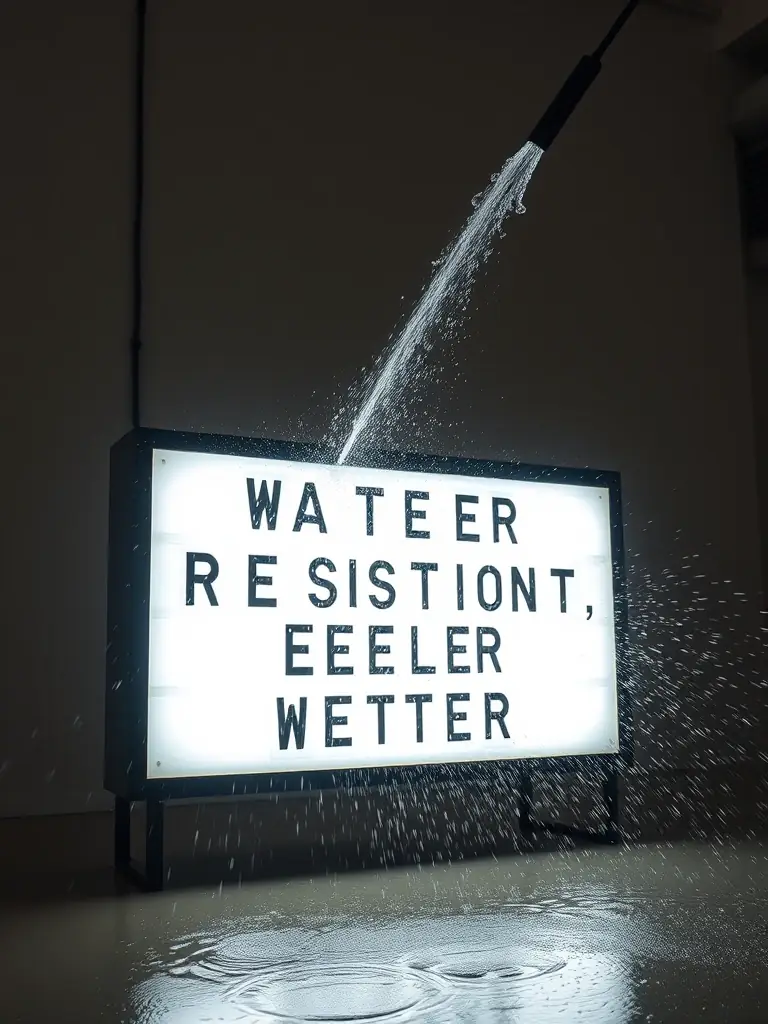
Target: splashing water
448, 287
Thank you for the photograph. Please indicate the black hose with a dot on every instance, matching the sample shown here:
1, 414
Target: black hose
138, 214
615, 28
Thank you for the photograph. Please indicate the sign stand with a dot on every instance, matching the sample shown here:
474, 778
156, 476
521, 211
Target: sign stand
152, 877
610, 833
208, 582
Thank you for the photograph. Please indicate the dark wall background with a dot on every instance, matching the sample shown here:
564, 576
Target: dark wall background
305, 164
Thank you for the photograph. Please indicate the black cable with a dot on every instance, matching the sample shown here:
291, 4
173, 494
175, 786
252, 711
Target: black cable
615, 28
138, 214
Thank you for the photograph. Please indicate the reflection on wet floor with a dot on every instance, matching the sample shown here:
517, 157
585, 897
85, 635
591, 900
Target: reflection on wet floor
462, 966
660, 933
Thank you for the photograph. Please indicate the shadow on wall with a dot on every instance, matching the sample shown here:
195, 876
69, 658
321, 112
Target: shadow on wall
445, 822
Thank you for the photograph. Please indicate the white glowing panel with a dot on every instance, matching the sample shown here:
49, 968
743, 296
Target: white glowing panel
476, 623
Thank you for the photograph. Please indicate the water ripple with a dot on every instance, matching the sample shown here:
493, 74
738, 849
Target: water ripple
484, 965
340, 992
532, 960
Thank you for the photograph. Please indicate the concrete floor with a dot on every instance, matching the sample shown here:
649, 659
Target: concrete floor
658, 932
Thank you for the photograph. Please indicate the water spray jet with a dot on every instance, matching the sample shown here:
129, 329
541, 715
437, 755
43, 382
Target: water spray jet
449, 287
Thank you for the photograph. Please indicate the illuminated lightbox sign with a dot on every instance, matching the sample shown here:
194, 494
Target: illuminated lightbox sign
305, 617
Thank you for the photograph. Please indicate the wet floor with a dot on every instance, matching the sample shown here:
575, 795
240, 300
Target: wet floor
658, 933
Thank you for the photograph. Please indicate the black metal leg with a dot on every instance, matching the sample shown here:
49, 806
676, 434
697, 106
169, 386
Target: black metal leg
122, 832
525, 801
154, 869
610, 831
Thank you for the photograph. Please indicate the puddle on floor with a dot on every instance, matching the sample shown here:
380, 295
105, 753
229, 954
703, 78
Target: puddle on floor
655, 934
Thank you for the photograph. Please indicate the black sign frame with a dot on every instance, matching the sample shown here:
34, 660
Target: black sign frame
130, 508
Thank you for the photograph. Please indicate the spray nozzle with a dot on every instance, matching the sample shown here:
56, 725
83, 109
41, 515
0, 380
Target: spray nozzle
577, 83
